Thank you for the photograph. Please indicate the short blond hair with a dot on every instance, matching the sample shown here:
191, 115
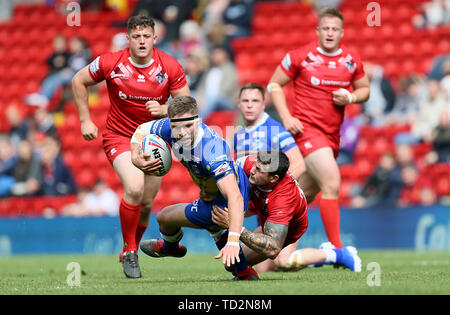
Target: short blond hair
330, 12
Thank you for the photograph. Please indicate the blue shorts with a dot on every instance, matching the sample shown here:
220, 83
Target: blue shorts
199, 211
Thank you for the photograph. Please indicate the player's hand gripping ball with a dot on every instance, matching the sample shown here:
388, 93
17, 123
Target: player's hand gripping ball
158, 149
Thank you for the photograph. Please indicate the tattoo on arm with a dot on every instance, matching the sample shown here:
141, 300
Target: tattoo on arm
268, 244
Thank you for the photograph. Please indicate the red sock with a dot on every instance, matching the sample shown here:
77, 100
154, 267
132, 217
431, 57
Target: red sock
329, 212
139, 232
129, 219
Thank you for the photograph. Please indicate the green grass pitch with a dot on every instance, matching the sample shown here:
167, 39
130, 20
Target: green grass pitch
384, 272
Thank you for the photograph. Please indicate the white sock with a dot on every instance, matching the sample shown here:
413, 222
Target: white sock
330, 256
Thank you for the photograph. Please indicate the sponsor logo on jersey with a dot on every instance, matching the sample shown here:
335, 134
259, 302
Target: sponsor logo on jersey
141, 78
124, 96
308, 145
315, 81
224, 167
286, 62
95, 65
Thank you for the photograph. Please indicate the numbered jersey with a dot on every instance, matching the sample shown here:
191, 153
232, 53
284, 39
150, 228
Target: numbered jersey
131, 85
268, 134
316, 74
284, 204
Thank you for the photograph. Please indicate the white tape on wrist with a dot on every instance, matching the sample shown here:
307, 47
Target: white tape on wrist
236, 244
234, 233
349, 95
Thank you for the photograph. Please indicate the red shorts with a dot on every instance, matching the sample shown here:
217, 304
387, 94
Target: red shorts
114, 144
295, 231
313, 139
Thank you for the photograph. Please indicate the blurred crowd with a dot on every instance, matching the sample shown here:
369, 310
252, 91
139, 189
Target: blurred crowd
199, 34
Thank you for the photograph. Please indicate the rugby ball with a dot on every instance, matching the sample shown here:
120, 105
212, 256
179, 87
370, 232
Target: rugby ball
158, 149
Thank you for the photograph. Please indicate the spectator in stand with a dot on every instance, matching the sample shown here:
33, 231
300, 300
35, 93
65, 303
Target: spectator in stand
119, 42
27, 171
320, 4
432, 14
190, 38
382, 95
63, 68
349, 140
36, 127
440, 67
196, 65
57, 179
58, 64
171, 12
237, 18
99, 201
212, 17
417, 189
376, 191
7, 153
221, 84
16, 119
428, 115
407, 103
441, 140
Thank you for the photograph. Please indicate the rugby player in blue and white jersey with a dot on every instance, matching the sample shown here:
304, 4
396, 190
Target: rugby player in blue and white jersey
262, 132
221, 181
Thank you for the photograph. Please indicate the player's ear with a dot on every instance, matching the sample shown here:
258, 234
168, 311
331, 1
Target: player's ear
275, 178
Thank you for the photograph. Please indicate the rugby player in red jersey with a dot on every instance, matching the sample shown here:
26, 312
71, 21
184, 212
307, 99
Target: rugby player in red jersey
139, 79
326, 77
281, 207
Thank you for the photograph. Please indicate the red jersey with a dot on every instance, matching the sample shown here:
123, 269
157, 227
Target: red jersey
315, 74
284, 204
131, 85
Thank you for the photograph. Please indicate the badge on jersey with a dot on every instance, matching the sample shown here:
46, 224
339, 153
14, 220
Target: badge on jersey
95, 65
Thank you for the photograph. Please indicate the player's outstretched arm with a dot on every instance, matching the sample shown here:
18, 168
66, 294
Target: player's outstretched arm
268, 244
230, 190
80, 83
275, 90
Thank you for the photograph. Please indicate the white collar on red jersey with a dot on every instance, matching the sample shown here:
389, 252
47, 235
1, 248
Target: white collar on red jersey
334, 54
137, 65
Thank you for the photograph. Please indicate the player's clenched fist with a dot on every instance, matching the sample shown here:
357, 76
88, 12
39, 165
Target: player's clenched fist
89, 130
156, 109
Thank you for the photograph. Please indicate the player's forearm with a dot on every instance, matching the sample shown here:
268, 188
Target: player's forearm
236, 214
81, 99
263, 244
361, 95
279, 101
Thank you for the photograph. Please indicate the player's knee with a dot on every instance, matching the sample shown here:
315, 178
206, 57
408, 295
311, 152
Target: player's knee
146, 206
331, 187
162, 216
282, 261
134, 192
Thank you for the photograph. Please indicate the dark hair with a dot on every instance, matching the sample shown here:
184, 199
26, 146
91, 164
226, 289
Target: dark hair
180, 105
277, 160
330, 12
140, 20
252, 86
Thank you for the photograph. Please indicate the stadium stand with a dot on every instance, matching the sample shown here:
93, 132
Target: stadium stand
276, 28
